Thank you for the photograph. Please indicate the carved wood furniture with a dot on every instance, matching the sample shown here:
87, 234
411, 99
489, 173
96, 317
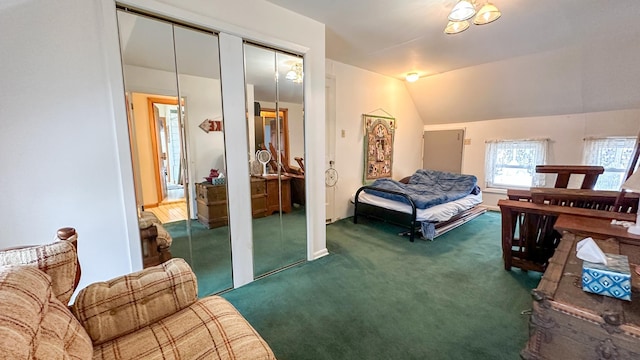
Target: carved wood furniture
272, 191
528, 218
570, 324
594, 227
212, 202
564, 172
300, 162
298, 192
155, 241
149, 242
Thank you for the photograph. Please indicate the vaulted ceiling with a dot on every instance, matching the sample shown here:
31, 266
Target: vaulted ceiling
542, 57
400, 36
581, 55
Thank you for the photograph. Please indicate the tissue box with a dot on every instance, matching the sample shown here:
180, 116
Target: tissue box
218, 181
613, 279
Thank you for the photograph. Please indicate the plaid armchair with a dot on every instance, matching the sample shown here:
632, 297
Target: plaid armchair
150, 314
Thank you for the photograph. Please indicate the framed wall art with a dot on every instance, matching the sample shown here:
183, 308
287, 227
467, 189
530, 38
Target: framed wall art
378, 146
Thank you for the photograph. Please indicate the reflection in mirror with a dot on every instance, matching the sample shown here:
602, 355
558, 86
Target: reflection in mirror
278, 197
178, 148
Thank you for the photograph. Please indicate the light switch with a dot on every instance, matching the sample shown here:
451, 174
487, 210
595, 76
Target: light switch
343, 133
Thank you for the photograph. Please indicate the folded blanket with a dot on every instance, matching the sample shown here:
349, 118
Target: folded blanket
428, 188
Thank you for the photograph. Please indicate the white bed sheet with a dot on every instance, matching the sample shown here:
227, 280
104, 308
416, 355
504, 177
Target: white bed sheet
441, 212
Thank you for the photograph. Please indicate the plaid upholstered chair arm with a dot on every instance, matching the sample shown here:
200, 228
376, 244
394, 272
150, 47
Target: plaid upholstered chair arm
110, 309
58, 260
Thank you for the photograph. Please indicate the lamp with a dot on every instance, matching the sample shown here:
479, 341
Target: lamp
412, 77
465, 10
295, 74
488, 13
633, 184
454, 27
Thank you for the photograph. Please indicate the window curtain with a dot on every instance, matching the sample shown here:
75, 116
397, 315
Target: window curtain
608, 152
503, 154
612, 153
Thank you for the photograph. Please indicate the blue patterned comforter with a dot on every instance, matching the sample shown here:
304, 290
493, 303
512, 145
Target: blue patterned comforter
428, 188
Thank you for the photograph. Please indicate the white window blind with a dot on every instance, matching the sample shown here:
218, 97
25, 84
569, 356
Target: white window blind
512, 163
612, 153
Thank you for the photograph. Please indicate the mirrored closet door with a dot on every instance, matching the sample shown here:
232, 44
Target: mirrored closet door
174, 104
274, 81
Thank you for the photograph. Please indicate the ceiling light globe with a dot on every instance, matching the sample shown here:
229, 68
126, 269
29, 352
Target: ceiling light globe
291, 75
464, 10
412, 77
456, 27
488, 13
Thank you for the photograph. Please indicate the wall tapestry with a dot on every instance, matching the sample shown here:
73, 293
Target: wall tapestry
378, 150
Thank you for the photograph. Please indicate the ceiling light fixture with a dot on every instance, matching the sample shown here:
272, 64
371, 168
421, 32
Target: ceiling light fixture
295, 74
465, 10
412, 77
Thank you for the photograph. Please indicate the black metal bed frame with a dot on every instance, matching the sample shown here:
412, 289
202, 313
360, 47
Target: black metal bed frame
405, 219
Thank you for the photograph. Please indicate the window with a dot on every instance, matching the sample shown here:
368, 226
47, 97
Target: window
512, 163
614, 154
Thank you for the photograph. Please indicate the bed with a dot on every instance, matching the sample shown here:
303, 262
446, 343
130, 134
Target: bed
432, 201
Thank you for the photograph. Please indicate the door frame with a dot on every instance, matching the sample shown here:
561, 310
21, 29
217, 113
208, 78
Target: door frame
330, 145
154, 140
283, 114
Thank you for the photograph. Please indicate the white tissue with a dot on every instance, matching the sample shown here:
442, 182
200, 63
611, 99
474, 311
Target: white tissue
588, 250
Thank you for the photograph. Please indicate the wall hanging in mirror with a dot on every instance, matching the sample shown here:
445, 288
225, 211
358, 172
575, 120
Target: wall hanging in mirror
211, 125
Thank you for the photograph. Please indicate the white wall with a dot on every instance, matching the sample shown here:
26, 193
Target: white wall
565, 131
62, 163
360, 92
65, 149
203, 100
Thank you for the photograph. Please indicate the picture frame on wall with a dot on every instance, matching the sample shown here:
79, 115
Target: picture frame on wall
378, 147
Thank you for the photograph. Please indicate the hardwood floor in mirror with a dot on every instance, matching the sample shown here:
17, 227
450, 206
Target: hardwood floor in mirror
170, 212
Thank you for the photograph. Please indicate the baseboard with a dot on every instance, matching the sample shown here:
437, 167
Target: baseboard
491, 208
320, 253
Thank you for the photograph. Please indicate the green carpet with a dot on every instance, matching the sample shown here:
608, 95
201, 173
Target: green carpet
278, 241
208, 252
378, 296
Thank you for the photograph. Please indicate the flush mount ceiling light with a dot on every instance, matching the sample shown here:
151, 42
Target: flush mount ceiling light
295, 74
465, 10
412, 77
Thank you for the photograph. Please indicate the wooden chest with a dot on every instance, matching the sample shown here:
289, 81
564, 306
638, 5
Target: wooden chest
567, 323
212, 202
